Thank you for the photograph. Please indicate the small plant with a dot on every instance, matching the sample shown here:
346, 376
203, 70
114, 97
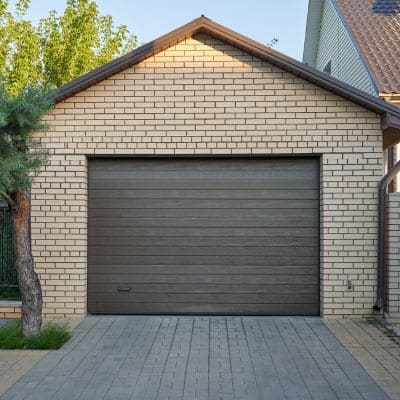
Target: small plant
385, 328
51, 337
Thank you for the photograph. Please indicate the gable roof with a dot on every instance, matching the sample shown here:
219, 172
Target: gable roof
373, 27
205, 25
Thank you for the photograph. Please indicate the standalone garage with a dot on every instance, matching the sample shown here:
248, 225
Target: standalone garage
205, 173
204, 236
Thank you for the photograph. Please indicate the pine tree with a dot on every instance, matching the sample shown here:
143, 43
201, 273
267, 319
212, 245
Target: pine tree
21, 157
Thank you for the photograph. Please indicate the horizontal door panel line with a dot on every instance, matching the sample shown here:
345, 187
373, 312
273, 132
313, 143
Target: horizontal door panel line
310, 207
250, 193
99, 287
94, 236
308, 252
204, 226
205, 162
144, 279
299, 270
190, 175
190, 213
101, 293
217, 187
208, 302
261, 258
315, 263
240, 218
195, 171
156, 237
203, 274
142, 275
197, 283
198, 279
202, 186
293, 207
141, 246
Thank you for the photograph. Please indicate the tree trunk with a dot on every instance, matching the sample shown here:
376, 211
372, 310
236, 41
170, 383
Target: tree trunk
29, 284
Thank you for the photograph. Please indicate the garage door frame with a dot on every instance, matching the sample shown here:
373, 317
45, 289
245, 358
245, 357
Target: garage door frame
225, 157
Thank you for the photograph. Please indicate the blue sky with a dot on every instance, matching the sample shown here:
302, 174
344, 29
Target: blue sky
259, 19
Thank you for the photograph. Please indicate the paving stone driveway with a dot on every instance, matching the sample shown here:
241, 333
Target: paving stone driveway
152, 357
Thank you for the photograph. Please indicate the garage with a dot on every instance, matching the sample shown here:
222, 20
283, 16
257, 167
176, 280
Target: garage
203, 236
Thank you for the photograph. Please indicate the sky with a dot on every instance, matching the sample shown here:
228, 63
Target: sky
261, 20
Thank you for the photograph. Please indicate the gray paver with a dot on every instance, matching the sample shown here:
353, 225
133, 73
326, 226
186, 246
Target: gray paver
198, 357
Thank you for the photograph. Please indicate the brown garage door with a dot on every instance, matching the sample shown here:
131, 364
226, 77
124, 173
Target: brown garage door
209, 236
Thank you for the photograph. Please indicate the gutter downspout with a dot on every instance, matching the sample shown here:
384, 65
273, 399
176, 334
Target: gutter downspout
382, 192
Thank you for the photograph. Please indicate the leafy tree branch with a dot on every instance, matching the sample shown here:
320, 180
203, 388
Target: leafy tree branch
60, 47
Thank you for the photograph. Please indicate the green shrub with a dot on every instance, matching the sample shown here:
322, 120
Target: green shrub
51, 337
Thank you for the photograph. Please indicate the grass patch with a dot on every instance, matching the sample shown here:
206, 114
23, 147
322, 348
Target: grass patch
10, 294
385, 328
51, 337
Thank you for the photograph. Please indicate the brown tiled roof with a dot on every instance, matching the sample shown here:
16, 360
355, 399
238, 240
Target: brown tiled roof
375, 29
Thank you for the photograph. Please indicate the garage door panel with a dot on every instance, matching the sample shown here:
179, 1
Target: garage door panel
210, 260
195, 251
241, 291
170, 186
95, 232
277, 164
234, 272
160, 280
281, 220
204, 236
207, 194
310, 200
199, 188
216, 298
193, 212
222, 241
204, 308
193, 175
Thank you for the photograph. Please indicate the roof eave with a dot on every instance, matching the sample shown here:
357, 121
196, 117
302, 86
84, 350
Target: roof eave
390, 130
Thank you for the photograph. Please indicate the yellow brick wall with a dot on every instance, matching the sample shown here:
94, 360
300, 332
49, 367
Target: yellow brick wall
205, 97
10, 310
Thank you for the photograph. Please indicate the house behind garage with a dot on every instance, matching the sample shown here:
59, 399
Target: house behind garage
206, 173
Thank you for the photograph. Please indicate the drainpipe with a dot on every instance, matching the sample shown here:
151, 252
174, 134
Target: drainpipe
382, 191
